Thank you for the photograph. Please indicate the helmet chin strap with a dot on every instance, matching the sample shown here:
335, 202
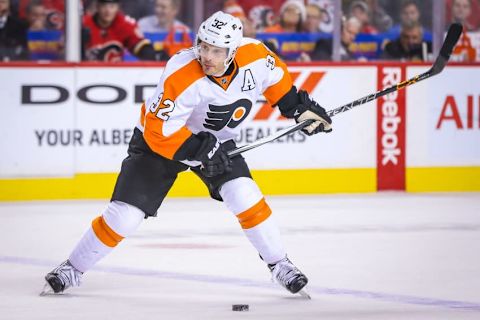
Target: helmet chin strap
227, 62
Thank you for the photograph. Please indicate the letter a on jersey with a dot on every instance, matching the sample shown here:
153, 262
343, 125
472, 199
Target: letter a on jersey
248, 81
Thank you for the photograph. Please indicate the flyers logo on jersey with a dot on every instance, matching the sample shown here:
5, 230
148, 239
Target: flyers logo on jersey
227, 115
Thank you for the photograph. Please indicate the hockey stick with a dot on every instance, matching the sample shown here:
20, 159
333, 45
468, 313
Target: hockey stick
451, 39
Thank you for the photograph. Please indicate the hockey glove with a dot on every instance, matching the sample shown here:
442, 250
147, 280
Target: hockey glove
309, 109
213, 155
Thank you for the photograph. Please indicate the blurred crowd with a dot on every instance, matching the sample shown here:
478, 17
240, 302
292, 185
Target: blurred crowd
297, 30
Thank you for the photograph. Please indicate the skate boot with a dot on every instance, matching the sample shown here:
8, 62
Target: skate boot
61, 278
287, 275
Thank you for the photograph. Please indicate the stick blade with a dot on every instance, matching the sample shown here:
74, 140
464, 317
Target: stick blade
453, 34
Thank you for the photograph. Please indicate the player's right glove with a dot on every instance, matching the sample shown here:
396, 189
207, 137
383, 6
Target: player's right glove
310, 109
213, 155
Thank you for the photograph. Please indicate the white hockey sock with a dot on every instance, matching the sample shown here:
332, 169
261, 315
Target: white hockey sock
118, 220
265, 237
243, 197
88, 251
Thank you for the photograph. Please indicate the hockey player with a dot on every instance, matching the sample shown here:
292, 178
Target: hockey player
204, 97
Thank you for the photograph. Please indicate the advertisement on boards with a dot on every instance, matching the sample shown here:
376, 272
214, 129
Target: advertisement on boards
443, 118
80, 120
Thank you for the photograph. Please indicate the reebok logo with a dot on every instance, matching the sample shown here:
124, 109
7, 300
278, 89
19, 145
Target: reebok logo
390, 118
391, 130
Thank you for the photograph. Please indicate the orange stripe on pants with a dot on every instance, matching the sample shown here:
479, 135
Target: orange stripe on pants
255, 215
103, 232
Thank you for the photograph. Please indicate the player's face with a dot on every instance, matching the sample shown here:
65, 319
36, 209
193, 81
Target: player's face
212, 59
107, 12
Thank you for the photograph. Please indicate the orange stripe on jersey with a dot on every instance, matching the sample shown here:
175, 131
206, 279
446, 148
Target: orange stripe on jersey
173, 87
255, 215
104, 233
142, 115
254, 51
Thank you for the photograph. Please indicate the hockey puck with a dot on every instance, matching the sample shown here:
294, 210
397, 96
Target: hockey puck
240, 307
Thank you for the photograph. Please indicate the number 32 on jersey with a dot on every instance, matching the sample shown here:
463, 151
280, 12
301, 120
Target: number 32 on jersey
162, 110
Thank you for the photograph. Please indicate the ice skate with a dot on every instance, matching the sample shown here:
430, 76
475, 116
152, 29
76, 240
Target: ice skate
287, 275
61, 278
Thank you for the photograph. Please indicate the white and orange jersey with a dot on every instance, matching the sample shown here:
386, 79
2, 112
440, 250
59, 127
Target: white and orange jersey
187, 101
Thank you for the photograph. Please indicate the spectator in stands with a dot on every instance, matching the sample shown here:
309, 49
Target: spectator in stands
314, 18
327, 8
379, 17
262, 17
232, 7
45, 41
292, 16
54, 11
409, 14
461, 11
108, 32
465, 12
13, 35
409, 46
360, 10
324, 47
36, 16
249, 5
164, 19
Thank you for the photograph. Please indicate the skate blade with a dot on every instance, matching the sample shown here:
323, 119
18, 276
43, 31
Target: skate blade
47, 290
304, 294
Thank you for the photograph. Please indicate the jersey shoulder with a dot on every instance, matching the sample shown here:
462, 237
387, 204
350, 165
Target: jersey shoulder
251, 50
182, 70
183, 61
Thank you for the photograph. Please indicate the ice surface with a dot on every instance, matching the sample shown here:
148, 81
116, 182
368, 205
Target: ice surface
377, 256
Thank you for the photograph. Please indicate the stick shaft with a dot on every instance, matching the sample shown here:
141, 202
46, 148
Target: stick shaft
449, 43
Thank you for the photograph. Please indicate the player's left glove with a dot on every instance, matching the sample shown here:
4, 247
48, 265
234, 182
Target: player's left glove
310, 109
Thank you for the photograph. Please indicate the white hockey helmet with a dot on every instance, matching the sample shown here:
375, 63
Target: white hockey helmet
221, 30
